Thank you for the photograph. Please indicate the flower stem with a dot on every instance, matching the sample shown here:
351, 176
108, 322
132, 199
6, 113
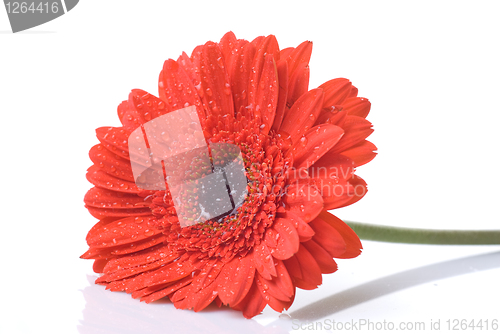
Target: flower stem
424, 236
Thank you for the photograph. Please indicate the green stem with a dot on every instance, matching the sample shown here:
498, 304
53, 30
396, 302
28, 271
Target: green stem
423, 236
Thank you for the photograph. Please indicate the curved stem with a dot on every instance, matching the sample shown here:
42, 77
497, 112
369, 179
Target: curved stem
424, 236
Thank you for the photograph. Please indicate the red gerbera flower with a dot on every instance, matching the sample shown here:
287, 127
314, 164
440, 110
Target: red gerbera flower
300, 148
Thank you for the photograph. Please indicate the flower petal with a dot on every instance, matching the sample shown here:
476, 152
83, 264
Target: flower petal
298, 57
356, 130
311, 273
101, 213
298, 84
154, 254
361, 153
122, 231
268, 46
327, 236
300, 118
253, 303
266, 96
235, 280
102, 198
351, 240
111, 163
240, 75
103, 180
215, 91
264, 261
287, 239
322, 257
315, 143
357, 106
176, 88
227, 46
336, 91
304, 200
282, 69
170, 273
114, 139
113, 252
150, 294
279, 287
147, 106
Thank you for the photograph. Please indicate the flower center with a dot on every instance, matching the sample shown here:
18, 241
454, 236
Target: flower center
266, 163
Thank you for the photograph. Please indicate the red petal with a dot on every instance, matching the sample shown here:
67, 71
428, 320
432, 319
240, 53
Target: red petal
156, 292
298, 57
336, 91
351, 240
189, 68
353, 93
324, 260
102, 198
264, 261
266, 96
304, 200
327, 236
356, 130
111, 163
358, 191
151, 255
101, 213
332, 166
298, 84
336, 193
361, 153
227, 45
113, 252
252, 304
303, 114
287, 241
132, 271
147, 106
176, 88
279, 287
170, 273
196, 301
284, 53
215, 91
311, 273
99, 265
99, 178
114, 139
269, 46
282, 68
235, 280
130, 118
315, 143
122, 231
357, 106
207, 275
240, 75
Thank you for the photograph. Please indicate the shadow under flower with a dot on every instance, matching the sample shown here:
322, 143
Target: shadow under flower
393, 283
107, 312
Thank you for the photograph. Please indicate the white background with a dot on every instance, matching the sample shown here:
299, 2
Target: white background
430, 70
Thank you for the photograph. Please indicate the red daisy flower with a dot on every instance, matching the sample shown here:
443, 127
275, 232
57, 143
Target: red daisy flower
299, 147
